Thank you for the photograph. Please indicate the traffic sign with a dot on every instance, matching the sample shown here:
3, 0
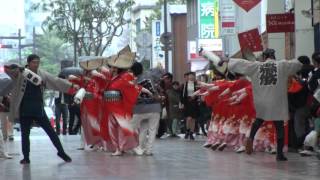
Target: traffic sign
166, 38
8, 46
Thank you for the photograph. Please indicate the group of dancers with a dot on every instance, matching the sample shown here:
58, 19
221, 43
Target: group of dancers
241, 107
107, 92
233, 113
107, 97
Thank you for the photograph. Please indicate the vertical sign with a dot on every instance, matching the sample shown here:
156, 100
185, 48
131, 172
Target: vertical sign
157, 53
208, 19
158, 28
192, 50
228, 17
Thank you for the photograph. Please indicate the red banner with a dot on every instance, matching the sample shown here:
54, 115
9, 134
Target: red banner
277, 23
250, 40
247, 5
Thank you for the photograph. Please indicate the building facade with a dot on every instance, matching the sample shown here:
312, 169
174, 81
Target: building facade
234, 19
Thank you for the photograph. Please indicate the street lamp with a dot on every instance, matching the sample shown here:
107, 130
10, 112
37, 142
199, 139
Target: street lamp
166, 51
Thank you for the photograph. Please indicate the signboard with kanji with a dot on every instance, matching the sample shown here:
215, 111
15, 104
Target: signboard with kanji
157, 52
247, 5
208, 19
277, 23
228, 17
251, 40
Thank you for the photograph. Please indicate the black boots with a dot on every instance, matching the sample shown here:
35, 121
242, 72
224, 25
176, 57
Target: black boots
189, 134
280, 144
64, 156
186, 136
25, 161
281, 157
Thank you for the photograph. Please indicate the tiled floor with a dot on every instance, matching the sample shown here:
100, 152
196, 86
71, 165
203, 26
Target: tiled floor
173, 159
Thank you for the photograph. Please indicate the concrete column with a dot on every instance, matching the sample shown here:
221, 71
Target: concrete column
276, 40
304, 34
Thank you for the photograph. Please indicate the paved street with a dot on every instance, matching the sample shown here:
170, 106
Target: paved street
173, 159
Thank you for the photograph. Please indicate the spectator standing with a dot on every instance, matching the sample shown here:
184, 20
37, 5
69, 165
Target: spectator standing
4, 110
165, 84
174, 110
190, 104
61, 110
6, 124
298, 97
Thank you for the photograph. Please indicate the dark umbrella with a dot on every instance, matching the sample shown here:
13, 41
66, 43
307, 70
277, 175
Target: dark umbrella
71, 71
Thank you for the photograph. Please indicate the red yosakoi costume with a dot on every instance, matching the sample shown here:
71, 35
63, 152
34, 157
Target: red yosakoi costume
89, 110
119, 99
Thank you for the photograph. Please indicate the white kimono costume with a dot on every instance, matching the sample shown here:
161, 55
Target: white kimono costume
269, 84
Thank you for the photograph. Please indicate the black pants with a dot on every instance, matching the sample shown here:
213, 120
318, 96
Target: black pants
279, 130
61, 110
43, 122
74, 110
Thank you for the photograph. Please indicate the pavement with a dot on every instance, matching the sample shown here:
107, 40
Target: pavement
174, 158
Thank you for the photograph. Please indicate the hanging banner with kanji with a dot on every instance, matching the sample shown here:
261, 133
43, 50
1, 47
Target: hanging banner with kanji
208, 19
247, 5
250, 40
277, 23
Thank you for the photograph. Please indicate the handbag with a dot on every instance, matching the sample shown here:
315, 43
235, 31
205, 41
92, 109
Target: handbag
164, 113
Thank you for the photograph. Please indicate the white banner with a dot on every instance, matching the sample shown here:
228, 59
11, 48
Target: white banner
228, 17
157, 53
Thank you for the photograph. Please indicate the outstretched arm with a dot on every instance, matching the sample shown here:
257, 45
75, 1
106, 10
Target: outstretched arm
225, 92
144, 90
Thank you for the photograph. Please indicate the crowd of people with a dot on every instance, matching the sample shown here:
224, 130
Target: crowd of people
264, 105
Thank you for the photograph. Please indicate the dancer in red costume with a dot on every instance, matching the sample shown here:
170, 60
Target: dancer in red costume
211, 98
120, 97
90, 110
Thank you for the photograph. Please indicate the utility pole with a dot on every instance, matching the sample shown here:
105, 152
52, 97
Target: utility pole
75, 39
33, 40
20, 46
166, 50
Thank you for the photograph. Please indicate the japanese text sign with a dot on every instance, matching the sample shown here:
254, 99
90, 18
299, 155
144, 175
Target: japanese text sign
251, 40
280, 23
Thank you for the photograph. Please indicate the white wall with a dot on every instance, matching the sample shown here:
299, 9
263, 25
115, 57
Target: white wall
141, 14
276, 41
304, 31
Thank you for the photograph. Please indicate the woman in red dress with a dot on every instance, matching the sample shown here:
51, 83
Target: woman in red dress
119, 99
89, 107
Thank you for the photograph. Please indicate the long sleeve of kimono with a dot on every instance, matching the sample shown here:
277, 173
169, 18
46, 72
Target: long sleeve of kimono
55, 83
76, 80
130, 91
242, 66
291, 67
